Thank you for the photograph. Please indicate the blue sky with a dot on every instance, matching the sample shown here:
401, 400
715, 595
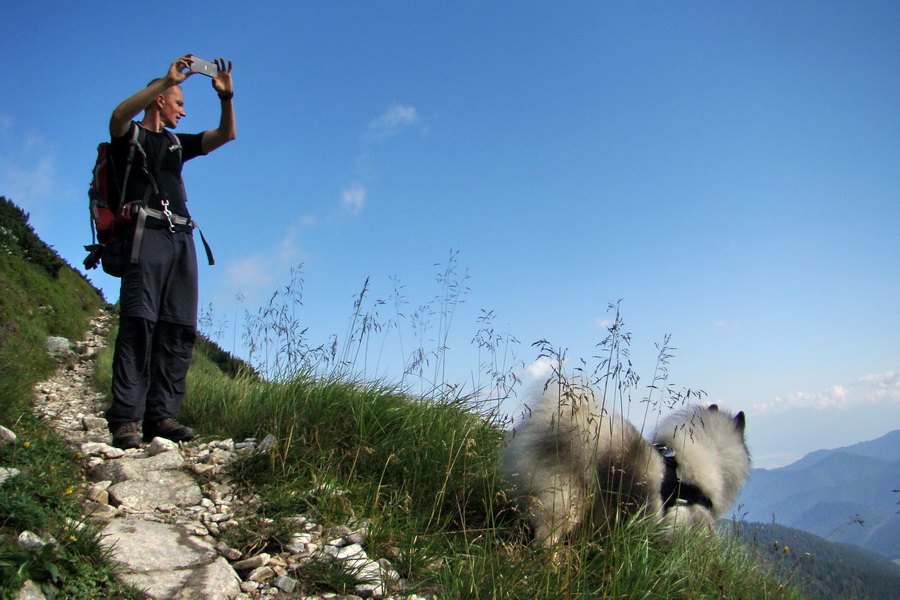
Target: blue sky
729, 171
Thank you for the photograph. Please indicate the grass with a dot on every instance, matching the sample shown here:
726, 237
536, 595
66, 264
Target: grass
423, 473
45, 499
421, 470
41, 296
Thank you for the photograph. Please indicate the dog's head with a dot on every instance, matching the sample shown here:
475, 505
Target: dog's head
711, 455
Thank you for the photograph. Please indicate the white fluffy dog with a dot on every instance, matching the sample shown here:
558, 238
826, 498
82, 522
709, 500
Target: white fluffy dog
573, 465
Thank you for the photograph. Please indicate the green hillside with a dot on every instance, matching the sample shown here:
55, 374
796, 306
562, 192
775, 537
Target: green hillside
824, 570
40, 296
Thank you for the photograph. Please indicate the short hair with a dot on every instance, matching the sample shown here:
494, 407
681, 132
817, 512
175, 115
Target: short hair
151, 82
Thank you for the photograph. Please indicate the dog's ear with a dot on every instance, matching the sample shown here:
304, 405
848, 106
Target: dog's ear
740, 421
713, 407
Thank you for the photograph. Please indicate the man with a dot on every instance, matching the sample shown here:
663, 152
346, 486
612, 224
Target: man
158, 300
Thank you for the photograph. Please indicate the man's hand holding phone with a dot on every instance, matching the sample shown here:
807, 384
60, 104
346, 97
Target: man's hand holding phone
204, 67
222, 82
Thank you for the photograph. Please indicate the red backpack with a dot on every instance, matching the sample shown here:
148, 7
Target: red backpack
112, 221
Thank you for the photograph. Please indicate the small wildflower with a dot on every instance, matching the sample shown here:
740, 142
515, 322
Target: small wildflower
26, 444
78, 454
787, 548
73, 538
52, 467
70, 490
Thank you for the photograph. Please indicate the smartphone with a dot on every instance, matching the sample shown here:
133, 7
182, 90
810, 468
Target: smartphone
198, 65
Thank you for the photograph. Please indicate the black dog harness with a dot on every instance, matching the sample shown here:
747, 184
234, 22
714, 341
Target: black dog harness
673, 490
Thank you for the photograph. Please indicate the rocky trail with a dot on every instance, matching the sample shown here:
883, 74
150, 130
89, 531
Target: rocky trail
165, 506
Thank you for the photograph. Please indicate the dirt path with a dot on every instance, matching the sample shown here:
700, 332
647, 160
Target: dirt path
152, 498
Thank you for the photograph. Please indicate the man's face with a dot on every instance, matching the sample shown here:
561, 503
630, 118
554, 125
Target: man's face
173, 107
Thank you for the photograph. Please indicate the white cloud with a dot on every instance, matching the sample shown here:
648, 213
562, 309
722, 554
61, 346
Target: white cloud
876, 388
729, 325
251, 276
353, 198
27, 168
539, 370
394, 120
31, 185
288, 250
256, 275
604, 322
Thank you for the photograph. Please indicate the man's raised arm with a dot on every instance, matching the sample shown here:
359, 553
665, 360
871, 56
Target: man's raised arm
227, 129
134, 104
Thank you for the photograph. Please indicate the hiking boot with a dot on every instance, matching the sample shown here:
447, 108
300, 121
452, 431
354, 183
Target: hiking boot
126, 435
167, 428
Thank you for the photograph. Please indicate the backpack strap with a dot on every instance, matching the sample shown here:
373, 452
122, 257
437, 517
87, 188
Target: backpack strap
209, 254
176, 144
135, 145
138, 145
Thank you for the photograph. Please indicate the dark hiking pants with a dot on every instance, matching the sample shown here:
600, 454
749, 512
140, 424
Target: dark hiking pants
157, 329
150, 369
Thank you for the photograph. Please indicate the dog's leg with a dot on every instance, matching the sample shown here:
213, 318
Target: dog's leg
556, 512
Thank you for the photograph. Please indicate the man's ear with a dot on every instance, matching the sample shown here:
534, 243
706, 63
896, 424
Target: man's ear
159, 101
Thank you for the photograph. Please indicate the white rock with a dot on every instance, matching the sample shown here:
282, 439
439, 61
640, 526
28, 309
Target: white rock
351, 551
6, 435
93, 461
30, 591
213, 581
101, 449
104, 512
57, 345
298, 543
98, 493
157, 489
249, 586
6, 473
131, 538
357, 537
254, 562
261, 574
201, 469
227, 551
285, 584
369, 590
160, 445
227, 445
93, 423
31, 541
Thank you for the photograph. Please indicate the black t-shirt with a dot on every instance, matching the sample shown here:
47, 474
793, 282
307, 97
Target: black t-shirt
167, 174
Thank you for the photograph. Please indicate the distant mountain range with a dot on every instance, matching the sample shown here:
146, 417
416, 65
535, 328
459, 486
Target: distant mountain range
844, 495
